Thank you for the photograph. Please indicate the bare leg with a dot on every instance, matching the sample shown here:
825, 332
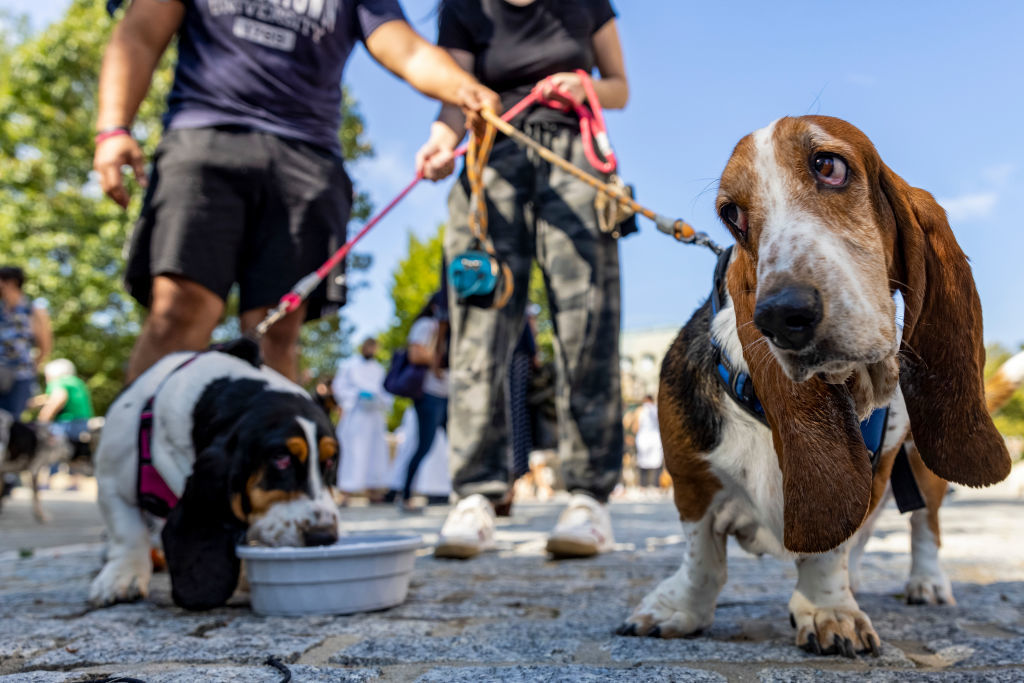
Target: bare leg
181, 317
280, 345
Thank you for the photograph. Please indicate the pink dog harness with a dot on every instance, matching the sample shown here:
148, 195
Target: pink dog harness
154, 495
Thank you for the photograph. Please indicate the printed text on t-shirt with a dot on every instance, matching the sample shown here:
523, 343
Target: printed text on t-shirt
276, 23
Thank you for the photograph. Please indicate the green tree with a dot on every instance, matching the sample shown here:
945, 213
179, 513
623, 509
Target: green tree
54, 221
545, 327
414, 279
1010, 418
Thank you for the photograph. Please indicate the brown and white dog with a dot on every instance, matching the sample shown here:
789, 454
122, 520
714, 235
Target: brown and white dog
825, 234
242, 454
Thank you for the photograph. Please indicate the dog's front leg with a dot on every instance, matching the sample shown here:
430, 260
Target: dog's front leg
684, 603
824, 611
125, 576
37, 503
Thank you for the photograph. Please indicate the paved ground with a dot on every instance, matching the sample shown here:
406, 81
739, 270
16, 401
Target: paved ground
513, 615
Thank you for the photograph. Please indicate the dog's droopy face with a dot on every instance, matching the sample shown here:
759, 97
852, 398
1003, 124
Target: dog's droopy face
264, 461
286, 498
799, 197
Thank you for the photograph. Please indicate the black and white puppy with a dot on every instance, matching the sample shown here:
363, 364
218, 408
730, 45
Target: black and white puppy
29, 447
246, 452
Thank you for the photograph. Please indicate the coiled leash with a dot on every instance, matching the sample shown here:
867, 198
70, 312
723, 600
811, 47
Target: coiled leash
478, 276
615, 202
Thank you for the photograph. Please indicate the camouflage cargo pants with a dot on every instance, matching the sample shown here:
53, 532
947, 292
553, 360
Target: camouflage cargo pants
538, 212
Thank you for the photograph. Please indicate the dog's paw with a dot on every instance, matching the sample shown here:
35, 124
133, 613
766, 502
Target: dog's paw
118, 582
663, 613
835, 630
930, 590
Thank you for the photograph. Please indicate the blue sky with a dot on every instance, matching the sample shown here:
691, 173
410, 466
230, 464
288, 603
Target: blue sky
937, 86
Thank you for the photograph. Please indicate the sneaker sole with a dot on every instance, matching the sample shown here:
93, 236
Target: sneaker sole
565, 547
456, 551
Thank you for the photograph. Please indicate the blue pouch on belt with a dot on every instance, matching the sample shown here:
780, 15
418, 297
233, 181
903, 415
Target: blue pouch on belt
474, 276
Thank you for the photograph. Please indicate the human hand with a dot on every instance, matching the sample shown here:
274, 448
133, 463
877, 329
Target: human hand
566, 81
435, 160
473, 98
111, 155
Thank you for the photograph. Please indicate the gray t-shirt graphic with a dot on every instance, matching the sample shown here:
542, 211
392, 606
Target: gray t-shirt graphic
272, 65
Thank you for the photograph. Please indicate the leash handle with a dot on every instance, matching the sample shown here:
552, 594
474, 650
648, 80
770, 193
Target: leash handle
592, 127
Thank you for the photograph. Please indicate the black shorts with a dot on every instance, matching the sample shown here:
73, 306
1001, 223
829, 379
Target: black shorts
229, 205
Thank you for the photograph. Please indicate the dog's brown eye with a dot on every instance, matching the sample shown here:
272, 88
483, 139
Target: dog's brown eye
830, 169
735, 218
283, 462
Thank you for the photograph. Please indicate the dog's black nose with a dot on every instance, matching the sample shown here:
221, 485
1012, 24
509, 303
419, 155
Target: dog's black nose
320, 536
789, 316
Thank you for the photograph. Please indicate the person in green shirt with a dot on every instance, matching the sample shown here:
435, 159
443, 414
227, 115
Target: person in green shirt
67, 405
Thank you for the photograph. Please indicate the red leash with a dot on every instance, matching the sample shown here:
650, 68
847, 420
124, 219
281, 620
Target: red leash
592, 130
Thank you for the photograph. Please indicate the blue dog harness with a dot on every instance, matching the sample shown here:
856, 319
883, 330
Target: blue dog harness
740, 387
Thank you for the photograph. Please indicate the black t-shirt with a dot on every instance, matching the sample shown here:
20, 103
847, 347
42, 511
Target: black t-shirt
515, 47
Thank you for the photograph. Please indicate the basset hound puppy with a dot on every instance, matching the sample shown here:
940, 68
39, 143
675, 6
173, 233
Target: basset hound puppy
834, 254
230, 451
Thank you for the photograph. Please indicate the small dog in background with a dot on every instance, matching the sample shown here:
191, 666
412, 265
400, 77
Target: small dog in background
29, 447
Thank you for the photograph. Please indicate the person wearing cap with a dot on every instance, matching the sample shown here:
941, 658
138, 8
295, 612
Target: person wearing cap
247, 185
67, 404
26, 340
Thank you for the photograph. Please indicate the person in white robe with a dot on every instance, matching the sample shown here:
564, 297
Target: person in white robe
433, 478
358, 388
649, 455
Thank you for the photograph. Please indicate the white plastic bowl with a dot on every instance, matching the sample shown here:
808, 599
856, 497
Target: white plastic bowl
359, 573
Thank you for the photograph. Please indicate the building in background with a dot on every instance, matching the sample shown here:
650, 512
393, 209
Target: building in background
640, 356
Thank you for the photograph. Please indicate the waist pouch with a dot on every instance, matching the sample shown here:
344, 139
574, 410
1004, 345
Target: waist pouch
476, 277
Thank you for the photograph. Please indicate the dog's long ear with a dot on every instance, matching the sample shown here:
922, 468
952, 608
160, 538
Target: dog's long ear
826, 470
200, 536
943, 354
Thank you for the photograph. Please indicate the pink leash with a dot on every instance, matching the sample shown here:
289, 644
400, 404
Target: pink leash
592, 130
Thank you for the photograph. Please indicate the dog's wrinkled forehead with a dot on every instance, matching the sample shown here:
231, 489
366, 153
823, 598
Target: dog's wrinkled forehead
795, 172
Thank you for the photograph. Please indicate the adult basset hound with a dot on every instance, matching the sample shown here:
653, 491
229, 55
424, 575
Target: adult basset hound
826, 235
230, 451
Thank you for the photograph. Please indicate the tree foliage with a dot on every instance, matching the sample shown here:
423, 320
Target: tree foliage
54, 221
414, 280
1010, 418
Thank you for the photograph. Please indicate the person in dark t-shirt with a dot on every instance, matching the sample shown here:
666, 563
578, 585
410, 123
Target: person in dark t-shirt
536, 211
247, 184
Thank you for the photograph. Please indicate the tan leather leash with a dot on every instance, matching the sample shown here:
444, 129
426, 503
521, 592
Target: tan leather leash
677, 228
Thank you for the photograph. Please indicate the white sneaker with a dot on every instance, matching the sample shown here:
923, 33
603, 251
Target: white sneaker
468, 530
583, 529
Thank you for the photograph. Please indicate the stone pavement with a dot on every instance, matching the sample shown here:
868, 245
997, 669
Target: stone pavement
513, 615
